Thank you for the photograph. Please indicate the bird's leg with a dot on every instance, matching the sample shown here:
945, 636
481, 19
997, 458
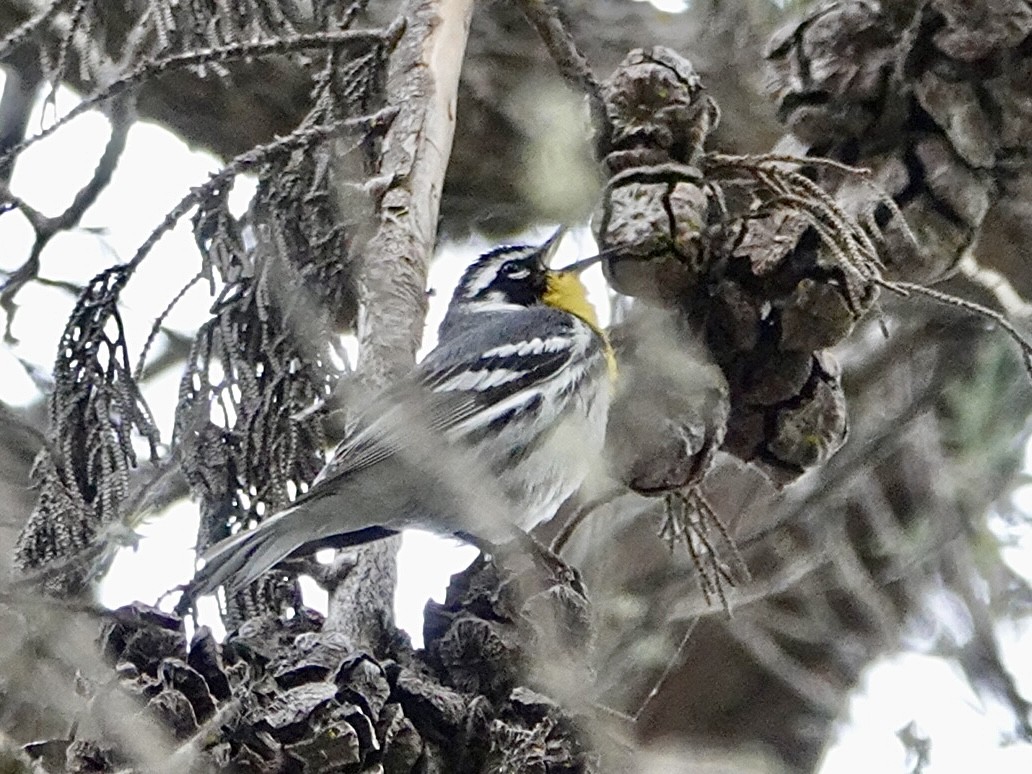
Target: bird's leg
326, 576
559, 571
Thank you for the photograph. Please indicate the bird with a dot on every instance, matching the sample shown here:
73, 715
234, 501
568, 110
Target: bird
485, 438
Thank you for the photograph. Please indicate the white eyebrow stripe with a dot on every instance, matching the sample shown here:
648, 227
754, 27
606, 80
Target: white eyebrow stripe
534, 346
483, 279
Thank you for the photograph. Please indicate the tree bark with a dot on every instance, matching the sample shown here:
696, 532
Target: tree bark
423, 84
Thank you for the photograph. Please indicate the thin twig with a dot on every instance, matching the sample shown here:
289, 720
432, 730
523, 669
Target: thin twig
298, 139
227, 53
62, 53
583, 512
16, 36
672, 664
159, 320
905, 288
46, 227
545, 17
121, 117
28, 599
1002, 289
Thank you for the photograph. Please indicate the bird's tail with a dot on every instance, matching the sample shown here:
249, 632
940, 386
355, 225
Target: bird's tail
240, 559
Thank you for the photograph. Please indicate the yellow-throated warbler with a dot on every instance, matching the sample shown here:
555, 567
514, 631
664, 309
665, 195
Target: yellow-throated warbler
494, 429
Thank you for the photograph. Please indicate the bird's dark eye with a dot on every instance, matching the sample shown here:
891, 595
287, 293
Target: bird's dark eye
514, 270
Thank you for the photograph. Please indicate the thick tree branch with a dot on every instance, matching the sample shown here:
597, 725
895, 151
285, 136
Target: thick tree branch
423, 85
20, 88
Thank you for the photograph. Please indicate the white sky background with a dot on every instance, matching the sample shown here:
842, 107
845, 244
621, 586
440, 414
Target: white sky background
154, 172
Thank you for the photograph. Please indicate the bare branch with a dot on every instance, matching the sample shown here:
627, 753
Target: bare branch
75, 19
906, 288
20, 87
423, 85
580, 515
1013, 303
46, 228
154, 67
22, 32
160, 320
573, 66
672, 664
295, 140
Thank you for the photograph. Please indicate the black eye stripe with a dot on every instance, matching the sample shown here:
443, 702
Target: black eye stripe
506, 275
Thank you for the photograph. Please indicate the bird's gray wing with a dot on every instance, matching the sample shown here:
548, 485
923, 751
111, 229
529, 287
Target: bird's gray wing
477, 378
461, 382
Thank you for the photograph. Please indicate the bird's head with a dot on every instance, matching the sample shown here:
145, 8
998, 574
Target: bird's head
519, 275
511, 275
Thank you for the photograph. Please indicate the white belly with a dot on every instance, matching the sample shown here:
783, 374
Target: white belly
538, 461
545, 479
538, 482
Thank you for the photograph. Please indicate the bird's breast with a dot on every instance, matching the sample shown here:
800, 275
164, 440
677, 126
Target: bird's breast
547, 456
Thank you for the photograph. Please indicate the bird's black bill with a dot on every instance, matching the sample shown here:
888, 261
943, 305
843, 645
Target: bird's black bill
586, 263
551, 245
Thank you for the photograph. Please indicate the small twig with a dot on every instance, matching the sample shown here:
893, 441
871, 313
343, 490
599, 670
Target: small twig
121, 119
613, 713
573, 66
159, 320
583, 512
159, 489
1013, 303
300, 138
9, 201
73, 288
19, 93
62, 54
20, 599
672, 664
906, 288
14, 281
230, 52
16, 36
46, 227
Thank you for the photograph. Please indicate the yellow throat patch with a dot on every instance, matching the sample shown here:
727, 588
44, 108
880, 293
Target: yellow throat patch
565, 291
